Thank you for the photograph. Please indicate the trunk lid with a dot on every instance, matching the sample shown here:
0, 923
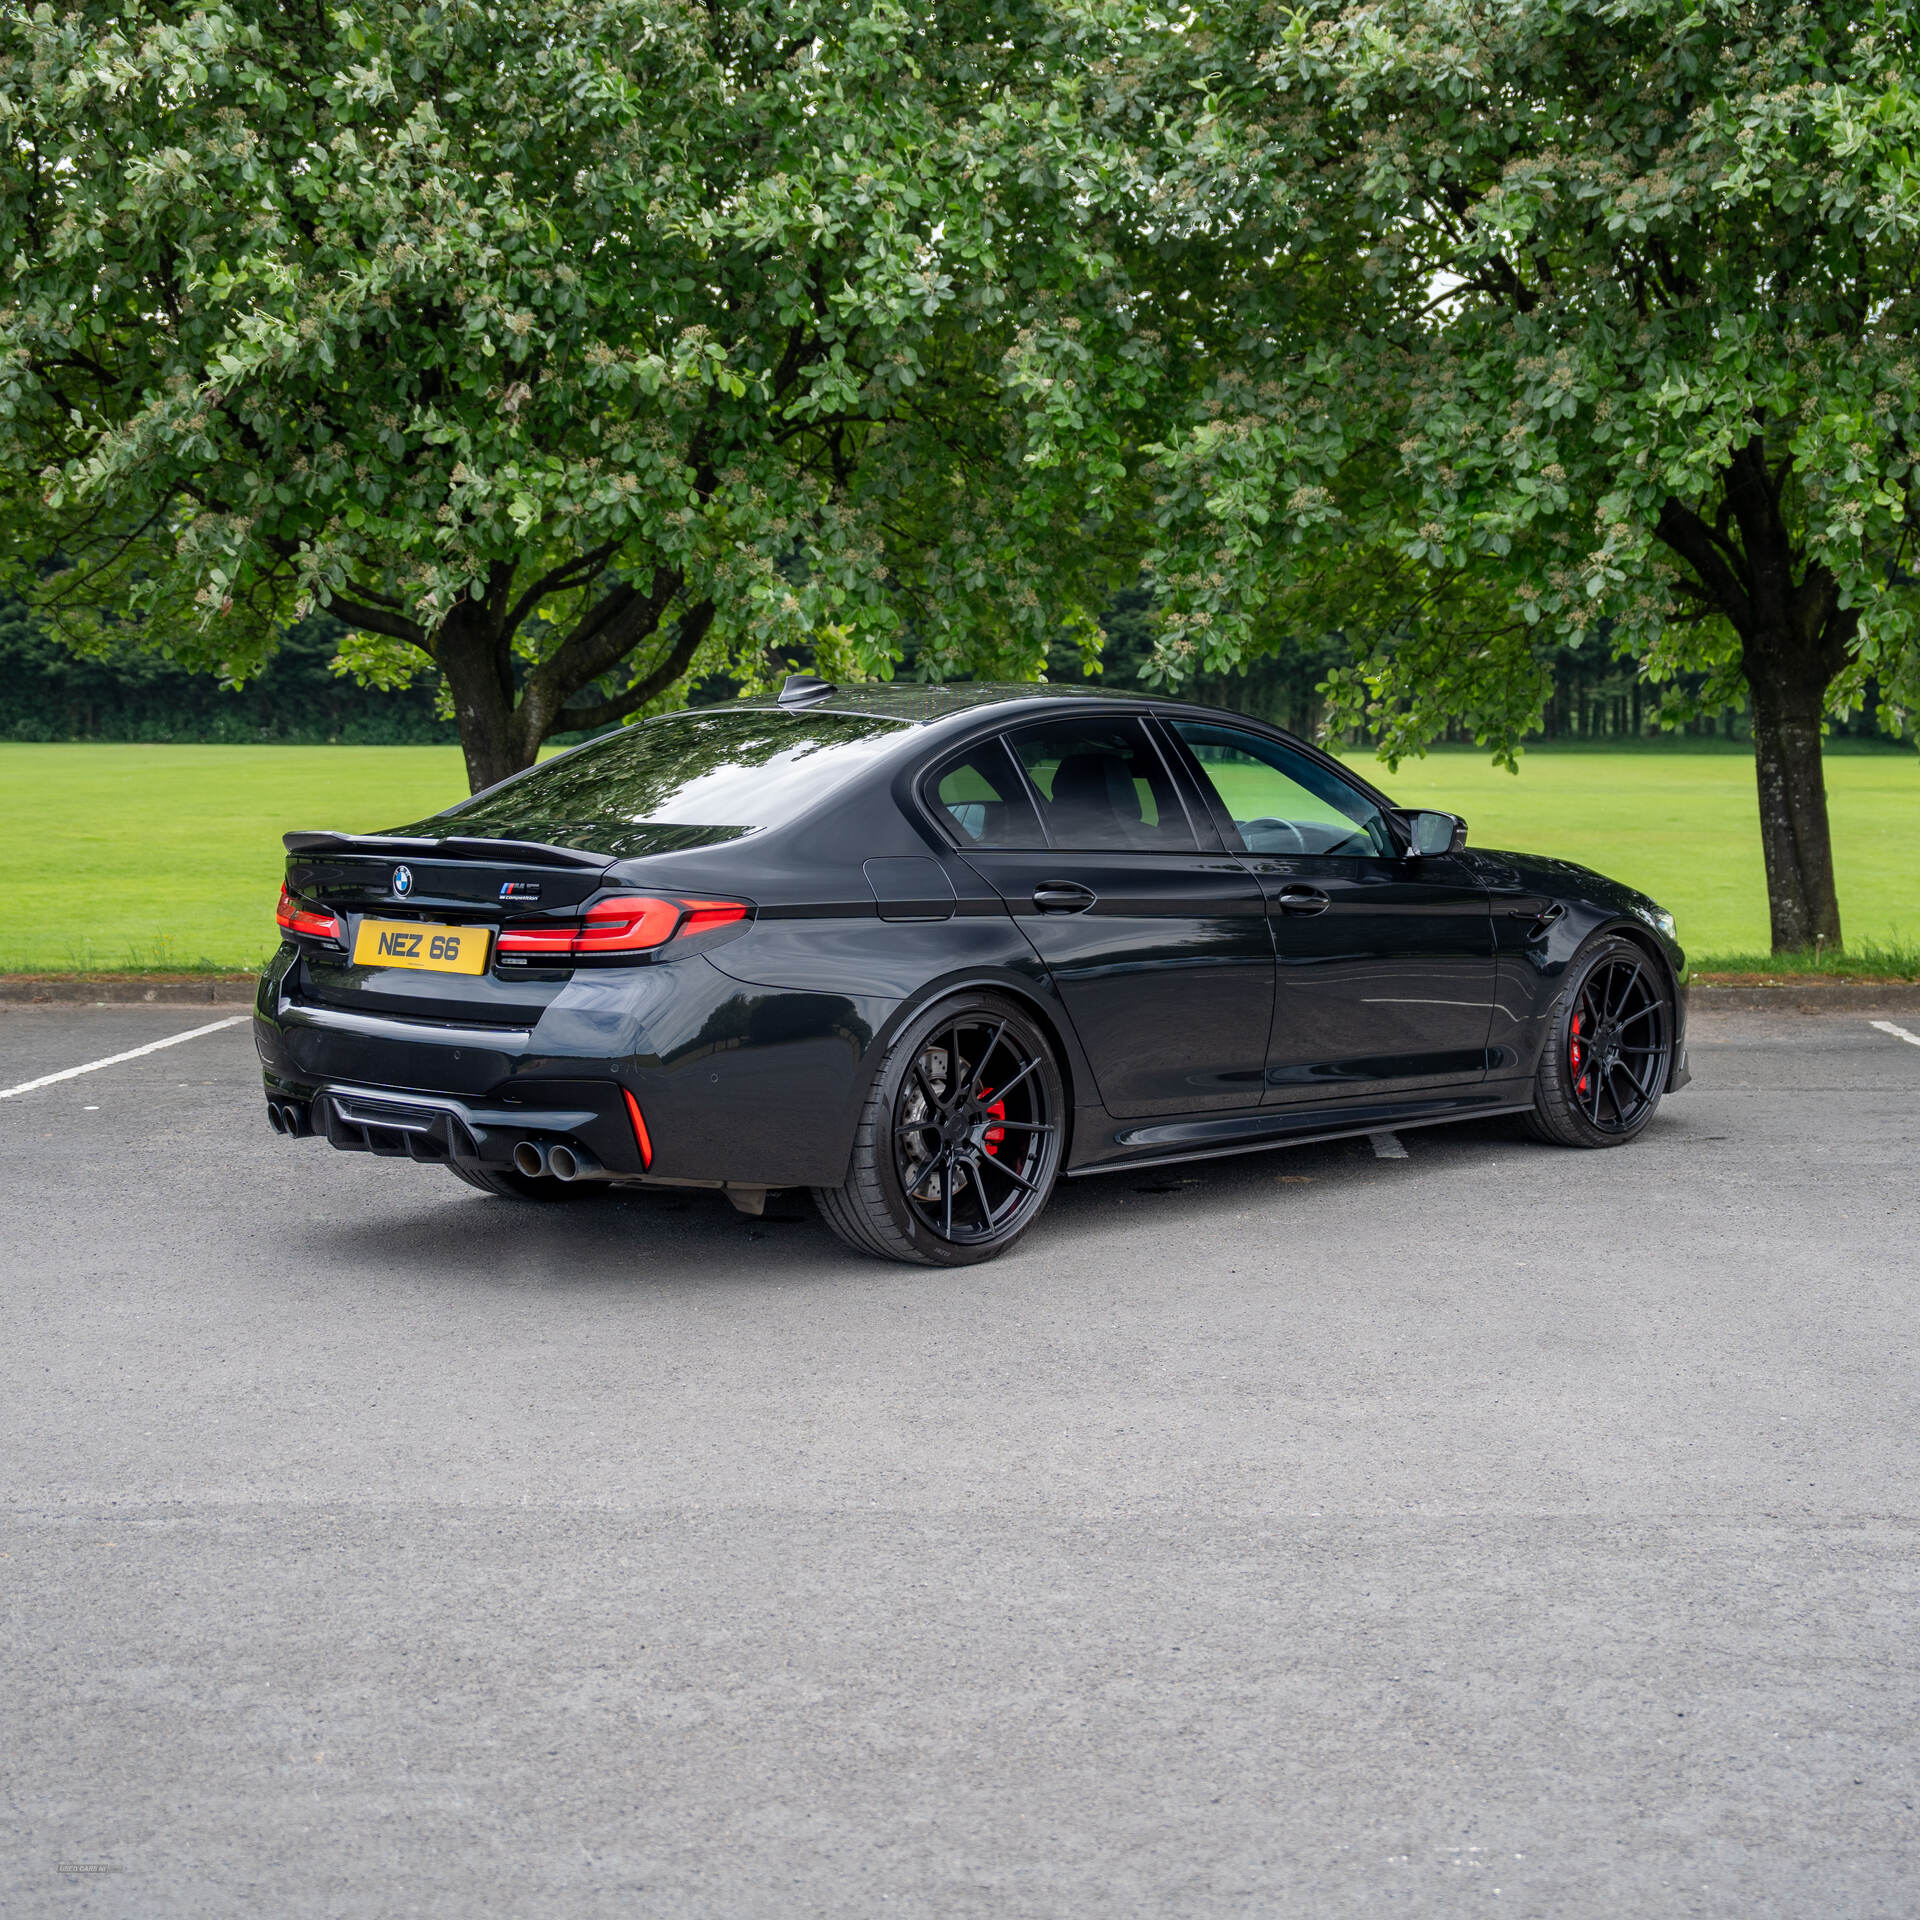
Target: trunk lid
445, 881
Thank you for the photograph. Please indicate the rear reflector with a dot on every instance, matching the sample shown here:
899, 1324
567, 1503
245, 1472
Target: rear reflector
624, 923
641, 1138
297, 917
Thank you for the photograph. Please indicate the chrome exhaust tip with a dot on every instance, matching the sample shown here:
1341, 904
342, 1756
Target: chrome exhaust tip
566, 1162
529, 1158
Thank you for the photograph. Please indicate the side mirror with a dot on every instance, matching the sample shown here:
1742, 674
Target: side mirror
1433, 833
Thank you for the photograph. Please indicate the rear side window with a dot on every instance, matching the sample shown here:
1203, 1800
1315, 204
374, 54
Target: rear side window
686, 779
1103, 786
983, 799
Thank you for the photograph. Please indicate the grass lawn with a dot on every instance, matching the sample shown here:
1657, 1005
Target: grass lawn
161, 858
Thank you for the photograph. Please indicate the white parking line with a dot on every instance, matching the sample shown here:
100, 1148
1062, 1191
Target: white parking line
1386, 1146
114, 1059
1899, 1033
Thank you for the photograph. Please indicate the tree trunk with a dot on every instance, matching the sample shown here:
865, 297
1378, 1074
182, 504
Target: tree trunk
1795, 639
1788, 706
479, 672
502, 728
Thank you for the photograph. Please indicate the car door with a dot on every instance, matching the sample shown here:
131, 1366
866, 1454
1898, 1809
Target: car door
1159, 950
1384, 982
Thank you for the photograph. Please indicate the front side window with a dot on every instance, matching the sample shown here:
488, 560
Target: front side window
1283, 802
1102, 786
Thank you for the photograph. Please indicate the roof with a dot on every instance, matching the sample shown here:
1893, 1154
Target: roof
919, 702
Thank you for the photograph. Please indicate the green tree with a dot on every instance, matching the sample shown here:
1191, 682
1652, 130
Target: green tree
569, 347
1551, 320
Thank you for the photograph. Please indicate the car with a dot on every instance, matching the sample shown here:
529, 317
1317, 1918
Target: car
925, 950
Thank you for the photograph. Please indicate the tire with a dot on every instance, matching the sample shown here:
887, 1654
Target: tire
1609, 1049
946, 1176
510, 1185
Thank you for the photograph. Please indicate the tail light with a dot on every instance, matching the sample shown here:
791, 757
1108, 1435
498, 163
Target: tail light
641, 1138
296, 916
625, 923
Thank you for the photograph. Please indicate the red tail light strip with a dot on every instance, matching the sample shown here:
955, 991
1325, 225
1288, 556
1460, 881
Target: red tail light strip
297, 917
641, 1138
626, 923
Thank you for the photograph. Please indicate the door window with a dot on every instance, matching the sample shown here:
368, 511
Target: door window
983, 799
1103, 785
1280, 801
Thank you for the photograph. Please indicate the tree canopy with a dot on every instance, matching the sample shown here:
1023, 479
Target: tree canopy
576, 347
1562, 318
567, 347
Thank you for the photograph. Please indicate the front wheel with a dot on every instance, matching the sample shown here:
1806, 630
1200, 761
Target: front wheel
959, 1142
1609, 1049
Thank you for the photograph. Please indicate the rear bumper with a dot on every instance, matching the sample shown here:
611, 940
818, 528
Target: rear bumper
739, 1085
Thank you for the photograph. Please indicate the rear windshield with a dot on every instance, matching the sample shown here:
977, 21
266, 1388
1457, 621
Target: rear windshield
686, 780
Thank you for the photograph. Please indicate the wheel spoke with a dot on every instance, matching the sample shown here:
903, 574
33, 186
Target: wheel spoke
1612, 1093
946, 1189
1652, 1006
1001, 1092
980, 1065
1633, 1079
1000, 1167
1626, 993
979, 1189
1024, 1126
926, 1088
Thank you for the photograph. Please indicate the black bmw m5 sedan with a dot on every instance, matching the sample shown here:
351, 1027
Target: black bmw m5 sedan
927, 950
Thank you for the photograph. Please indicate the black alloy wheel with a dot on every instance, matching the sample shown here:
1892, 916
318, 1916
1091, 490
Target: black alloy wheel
1610, 1050
960, 1141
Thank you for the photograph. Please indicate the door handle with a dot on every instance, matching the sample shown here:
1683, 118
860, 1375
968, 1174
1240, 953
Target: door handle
1063, 896
1302, 900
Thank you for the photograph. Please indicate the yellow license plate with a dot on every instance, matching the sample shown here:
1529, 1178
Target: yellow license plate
419, 943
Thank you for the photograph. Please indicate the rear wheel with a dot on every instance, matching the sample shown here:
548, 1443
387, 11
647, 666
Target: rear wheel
960, 1140
510, 1185
1609, 1050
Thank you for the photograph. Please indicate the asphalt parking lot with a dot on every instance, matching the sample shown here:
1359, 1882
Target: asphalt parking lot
1494, 1530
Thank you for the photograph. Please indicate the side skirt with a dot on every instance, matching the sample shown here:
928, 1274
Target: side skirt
1215, 1139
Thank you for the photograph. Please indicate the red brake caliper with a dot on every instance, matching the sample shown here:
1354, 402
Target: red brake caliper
994, 1135
1573, 1050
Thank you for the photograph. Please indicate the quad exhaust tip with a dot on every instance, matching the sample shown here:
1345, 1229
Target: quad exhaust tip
566, 1162
560, 1161
289, 1118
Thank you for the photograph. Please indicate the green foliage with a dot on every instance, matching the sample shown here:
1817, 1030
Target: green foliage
1553, 320
519, 335
131, 693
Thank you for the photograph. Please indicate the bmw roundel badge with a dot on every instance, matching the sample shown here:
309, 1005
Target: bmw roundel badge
403, 881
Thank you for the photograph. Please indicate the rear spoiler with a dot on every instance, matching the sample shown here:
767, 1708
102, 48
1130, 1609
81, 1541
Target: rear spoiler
324, 840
